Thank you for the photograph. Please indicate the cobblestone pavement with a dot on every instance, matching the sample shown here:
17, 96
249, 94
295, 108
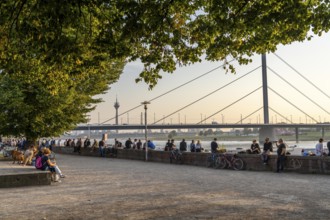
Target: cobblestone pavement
104, 188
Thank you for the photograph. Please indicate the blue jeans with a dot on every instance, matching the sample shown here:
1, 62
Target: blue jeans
280, 162
101, 152
264, 157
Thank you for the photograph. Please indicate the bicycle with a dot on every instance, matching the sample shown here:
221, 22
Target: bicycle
211, 160
229, 160
295, 164
176, 155
325, 163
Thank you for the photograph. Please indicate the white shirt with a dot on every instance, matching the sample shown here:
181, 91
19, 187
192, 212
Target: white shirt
319, 149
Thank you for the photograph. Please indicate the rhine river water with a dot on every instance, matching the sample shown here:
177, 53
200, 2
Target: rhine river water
235, 146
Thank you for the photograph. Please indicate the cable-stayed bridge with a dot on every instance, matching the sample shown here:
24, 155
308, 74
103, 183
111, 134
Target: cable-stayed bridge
266, 126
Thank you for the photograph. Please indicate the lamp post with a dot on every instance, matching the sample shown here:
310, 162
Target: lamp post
145, 103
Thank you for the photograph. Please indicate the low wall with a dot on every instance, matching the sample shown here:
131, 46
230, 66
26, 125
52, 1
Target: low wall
298, 164
25, 179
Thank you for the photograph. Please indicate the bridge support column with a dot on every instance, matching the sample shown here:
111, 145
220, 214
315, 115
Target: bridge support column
297, 135
266, 132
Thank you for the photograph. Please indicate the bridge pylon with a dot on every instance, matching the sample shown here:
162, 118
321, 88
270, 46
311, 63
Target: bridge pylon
269, 131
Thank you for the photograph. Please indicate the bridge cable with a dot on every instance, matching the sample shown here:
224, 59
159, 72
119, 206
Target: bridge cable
230, 104
281, 115
292, 104
240, 121
298, 90
302, 76
169, 91
206, 95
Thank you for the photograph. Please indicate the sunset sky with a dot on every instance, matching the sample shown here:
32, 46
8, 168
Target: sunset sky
310, 58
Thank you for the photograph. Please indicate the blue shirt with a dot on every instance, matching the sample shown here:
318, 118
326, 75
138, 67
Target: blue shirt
151, 145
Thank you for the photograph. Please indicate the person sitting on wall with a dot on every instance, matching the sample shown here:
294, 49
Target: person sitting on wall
128, 144
192, 146
255, 149
50, 165
183, 145
118, 144
167, 146
139, 144
198, 146
319, 148
134, 145
151, 145
268, 148
171, 145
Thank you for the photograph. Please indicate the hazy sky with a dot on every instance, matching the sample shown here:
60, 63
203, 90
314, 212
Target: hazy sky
310, 58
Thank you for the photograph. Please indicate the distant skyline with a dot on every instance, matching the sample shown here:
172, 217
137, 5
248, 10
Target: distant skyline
310, 58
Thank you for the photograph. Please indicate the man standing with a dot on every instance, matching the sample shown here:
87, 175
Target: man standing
78, 145
101, 145
328, 146
214, 146
183, 145
280, 155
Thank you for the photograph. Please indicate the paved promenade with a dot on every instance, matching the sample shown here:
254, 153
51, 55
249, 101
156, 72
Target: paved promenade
104, 188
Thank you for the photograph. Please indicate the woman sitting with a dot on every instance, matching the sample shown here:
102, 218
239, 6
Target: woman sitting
198, 146
255, 149
47, 164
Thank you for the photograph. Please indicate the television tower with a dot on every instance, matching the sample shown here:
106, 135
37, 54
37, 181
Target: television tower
116, 105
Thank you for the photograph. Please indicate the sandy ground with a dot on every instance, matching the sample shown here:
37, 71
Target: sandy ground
104, 188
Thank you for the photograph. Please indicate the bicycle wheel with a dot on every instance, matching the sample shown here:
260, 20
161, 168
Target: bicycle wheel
171, 159
238, 164
295, 164
220, 162
209, 161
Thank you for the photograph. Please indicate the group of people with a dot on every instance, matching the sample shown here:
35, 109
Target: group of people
193, 147
129, 144
281, 151
267, 149
40, 158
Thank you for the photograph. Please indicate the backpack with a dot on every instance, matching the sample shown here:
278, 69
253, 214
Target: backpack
39, 164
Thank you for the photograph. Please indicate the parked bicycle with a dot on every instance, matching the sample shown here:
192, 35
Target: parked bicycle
176, 156
230, 161
294, 164
211, 160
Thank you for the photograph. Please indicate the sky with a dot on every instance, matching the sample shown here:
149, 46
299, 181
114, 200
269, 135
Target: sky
310, 58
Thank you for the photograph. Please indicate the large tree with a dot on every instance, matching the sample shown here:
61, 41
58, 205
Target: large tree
50, 50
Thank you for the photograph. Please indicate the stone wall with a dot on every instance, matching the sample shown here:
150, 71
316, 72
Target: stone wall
298, 164
25, 179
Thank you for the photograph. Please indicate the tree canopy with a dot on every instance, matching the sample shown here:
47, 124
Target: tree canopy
59, 51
